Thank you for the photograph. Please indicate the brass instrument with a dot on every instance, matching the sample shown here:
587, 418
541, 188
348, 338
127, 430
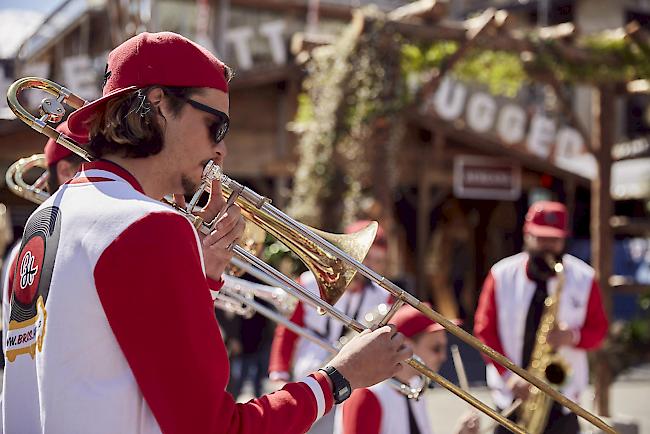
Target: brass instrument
545, 362
15, 178
334, 259
237, 296
236, 293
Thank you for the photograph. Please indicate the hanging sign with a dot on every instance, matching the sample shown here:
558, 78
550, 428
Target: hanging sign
536, 132
479, 177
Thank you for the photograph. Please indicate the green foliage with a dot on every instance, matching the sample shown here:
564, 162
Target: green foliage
502, 72
349, 118
350, 114
628, 343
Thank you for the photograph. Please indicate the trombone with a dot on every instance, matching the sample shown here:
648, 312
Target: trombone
237, 296
334, 259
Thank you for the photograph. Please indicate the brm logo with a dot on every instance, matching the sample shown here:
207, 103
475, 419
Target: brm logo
31, 284
27, 270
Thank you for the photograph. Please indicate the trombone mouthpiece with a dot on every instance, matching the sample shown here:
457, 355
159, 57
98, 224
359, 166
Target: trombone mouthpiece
211, 172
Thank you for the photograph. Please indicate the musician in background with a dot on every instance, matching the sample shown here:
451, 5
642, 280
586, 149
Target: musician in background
381, 409
511, 306
292, 353
117, 330
62, 164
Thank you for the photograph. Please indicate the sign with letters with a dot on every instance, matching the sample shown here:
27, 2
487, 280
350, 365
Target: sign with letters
480, 177
536, 132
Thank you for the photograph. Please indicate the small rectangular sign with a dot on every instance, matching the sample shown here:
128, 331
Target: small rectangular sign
479, 177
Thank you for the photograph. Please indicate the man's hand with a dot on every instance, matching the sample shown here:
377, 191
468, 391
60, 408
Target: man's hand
561, 336
372, 356
469, 423
519, 387
228, 230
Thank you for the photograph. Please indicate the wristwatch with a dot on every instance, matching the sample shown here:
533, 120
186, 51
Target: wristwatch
341, 389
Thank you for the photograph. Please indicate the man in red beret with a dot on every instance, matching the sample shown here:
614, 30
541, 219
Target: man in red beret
112, 326
511, 306
292, 353
381, 409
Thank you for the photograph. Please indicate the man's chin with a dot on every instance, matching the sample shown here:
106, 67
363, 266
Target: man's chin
189, 186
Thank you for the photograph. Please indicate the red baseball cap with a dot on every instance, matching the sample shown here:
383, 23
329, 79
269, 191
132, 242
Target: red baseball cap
148, 59
547, 219
411, 322
380, 237
55, 152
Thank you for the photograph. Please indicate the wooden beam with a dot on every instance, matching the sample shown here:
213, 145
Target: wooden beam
486, 22
560, 31
625, 285
602, 240
641, 86
425, 10
637, 34
299, 6
630, 226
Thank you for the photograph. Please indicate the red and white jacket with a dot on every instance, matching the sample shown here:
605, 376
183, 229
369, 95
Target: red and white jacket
292, 351
380, 409
501, 317
112, 326
7, 280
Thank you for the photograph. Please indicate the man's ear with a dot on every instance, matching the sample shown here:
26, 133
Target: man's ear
155, 96
65, 170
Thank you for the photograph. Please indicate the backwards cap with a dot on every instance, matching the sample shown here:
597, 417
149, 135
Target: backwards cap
148, 59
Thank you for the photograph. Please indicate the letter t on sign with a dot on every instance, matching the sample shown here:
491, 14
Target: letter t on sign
239, 37
274, 32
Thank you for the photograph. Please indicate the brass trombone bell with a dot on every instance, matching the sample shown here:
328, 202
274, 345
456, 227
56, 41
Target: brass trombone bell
14, 177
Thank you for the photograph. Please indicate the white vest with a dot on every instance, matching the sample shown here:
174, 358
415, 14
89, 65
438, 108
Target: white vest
310, 356
65, 360
394, 414
513, 294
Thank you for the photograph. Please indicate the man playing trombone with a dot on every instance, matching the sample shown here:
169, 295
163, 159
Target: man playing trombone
112, 326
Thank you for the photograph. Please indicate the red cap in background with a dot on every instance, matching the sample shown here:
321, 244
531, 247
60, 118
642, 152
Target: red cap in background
55, 152
547, 219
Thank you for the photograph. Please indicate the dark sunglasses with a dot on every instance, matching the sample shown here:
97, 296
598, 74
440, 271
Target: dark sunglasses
219, 128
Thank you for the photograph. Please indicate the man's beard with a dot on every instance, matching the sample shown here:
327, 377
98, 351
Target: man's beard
538, 267
189, 187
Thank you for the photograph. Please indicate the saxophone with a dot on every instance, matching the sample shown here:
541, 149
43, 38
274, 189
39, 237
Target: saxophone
545, 362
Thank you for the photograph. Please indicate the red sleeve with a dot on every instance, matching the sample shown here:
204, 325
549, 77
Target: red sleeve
284, 342
486, 321
595, 327
157, 301
361, 413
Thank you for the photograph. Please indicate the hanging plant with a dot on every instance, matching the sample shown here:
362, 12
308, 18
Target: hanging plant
350, 125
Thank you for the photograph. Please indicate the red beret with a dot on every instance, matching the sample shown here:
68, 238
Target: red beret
411, 322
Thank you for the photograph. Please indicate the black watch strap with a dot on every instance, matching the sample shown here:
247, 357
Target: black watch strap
342, 389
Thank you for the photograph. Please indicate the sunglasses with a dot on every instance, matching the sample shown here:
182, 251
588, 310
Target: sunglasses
219, 128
